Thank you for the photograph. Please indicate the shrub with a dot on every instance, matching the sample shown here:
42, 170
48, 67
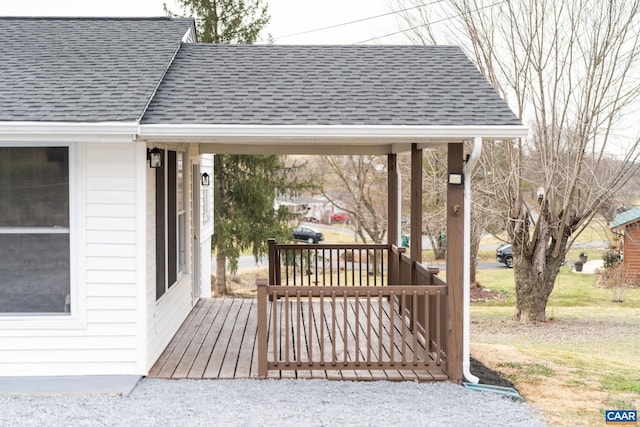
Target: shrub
615, 279
611, 258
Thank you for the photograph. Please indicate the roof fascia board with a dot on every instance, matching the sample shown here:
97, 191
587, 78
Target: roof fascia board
267, 134
302, 148
70, 132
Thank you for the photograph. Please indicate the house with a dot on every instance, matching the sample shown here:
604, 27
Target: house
107, 131
627, 224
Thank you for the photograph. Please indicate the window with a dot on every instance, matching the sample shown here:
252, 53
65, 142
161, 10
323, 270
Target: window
34, 230
170, 222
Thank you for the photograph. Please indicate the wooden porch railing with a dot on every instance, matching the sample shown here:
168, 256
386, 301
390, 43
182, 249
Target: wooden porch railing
356, 307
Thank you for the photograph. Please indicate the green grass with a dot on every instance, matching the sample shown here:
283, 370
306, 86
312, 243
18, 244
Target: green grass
600, 353
571, 290
528, 370
618, 383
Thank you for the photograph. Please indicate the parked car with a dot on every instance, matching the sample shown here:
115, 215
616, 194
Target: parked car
307, 234
504, 254
340, 217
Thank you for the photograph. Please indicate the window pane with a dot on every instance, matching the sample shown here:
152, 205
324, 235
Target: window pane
34, 187
172, 224
34, 273
180, 183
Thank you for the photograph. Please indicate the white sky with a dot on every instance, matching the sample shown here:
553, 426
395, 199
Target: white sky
287, 16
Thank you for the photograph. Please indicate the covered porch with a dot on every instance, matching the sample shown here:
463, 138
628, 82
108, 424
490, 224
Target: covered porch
327, 311
322, 308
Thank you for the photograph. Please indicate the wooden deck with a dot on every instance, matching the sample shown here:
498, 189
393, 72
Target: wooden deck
218, 340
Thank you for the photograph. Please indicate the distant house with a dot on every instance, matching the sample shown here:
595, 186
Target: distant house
627, 224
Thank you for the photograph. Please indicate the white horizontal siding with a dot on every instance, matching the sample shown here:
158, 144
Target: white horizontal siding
113, 290
106, 340
164, 316
104, 263
100, 210
111, 250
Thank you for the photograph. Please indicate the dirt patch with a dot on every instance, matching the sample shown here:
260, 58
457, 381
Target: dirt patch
482, 294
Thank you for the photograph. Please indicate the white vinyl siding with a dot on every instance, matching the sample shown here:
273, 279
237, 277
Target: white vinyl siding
103, 336
165, 315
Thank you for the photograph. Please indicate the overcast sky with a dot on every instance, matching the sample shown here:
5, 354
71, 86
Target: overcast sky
287, 16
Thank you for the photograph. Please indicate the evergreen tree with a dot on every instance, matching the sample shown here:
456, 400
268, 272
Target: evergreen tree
226, 21
245, 187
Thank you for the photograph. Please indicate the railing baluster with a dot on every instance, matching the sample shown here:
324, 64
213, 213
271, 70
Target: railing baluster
286, 326
345, 330
427, 327
392, 314
357, 327
334, 358
276, 329
368, 327
353, 268
414, 322
403, 325
380, 336
298, 327
330, 267
323, 319
310, 327
438, 342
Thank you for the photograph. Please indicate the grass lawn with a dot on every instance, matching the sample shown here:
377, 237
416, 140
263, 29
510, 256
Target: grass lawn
585, 360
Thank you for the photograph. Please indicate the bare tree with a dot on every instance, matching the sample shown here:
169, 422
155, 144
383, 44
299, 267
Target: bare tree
358, 185
568, 69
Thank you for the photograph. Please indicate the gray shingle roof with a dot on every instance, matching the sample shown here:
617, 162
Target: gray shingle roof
83, 69
326, 85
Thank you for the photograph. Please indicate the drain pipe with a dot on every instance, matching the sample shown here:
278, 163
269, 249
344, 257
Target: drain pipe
466, 278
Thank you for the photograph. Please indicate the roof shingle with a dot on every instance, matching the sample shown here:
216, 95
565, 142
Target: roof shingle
83, 69
326, 85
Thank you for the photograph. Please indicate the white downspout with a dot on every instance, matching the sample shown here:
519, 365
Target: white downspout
466, 278
399, 201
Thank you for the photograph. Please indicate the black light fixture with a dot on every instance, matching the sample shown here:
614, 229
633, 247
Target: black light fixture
204, 179
155, 158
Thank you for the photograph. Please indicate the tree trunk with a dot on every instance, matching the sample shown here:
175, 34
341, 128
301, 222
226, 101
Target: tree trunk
534, 282
221, 273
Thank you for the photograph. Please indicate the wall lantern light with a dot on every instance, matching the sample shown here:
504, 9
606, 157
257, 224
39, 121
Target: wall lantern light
155, 158
204, 179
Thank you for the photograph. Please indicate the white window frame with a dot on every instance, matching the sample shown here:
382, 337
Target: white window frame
181, 249
76, 318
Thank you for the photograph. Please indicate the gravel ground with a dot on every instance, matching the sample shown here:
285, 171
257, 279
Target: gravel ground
273, 403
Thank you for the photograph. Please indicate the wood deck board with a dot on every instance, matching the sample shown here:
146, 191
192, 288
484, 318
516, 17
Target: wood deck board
189, 356
228, 368
204, 354
220, 349
181, 340
219, 340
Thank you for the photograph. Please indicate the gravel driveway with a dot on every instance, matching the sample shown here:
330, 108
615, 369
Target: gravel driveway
157, 402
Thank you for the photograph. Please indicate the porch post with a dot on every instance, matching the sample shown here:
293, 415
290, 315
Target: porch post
455, 245
416, 203
262, 328
393, 207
